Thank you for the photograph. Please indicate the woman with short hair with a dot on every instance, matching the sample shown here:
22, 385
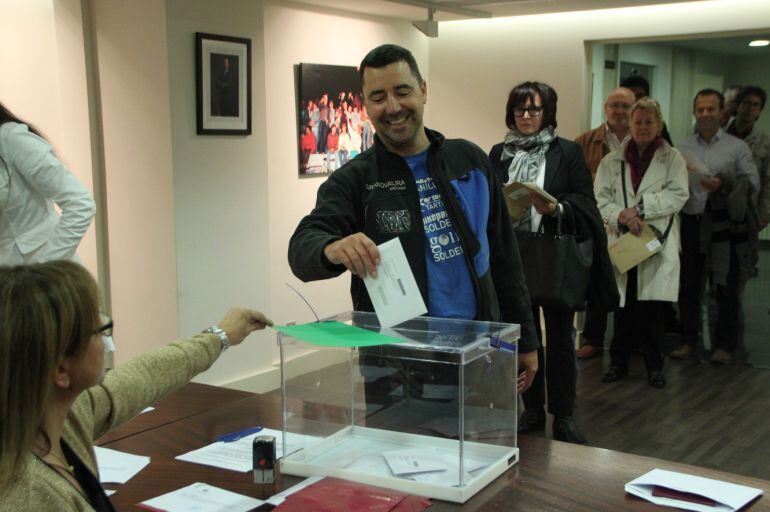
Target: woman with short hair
532, 152
56, 399
643, 182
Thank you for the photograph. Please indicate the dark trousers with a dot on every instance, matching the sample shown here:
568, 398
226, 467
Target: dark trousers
595, 326
729, 304
691, 279
641, 320
557, 364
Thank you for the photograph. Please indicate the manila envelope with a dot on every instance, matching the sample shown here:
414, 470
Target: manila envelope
630, 250
517, 197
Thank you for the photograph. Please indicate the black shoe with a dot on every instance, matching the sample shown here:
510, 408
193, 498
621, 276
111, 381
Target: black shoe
532, 420
614, 373
564, 429
656, 379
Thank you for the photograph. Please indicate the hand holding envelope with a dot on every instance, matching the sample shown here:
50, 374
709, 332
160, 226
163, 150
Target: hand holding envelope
357, 252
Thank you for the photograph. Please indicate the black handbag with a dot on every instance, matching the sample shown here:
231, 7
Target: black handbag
557, 265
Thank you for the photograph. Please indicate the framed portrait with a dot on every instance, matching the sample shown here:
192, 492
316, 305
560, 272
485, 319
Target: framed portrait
332, 125
223, 84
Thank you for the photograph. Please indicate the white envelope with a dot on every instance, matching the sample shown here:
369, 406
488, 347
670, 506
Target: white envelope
728, 497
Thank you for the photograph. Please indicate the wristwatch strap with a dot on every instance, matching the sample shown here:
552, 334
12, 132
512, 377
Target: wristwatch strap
221, 334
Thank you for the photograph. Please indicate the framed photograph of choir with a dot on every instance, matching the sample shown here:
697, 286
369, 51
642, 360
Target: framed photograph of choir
223, 84
333, 127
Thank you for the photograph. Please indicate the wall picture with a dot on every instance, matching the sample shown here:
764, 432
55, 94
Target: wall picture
333, 126
223, 84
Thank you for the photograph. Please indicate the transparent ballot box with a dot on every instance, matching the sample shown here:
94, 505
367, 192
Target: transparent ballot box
432, 412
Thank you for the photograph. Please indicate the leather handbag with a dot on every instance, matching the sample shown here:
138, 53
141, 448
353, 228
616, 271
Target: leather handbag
557, 265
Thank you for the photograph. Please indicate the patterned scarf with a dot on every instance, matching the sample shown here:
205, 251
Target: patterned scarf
526, 152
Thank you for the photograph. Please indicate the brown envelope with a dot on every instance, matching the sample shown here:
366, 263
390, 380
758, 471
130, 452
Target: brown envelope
517, 197
630, 250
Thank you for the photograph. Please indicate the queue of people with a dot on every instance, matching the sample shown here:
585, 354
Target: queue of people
705, 200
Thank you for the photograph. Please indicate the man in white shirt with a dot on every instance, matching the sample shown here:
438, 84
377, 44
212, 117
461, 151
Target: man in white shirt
716, 227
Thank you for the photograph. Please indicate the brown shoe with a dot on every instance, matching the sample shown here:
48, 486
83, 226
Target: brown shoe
721, 356
683, 352
589, 351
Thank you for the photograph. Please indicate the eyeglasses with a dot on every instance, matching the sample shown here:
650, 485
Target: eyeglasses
106, 328
532, 110
752, 104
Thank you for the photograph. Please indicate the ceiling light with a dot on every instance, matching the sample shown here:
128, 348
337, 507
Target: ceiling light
759, 42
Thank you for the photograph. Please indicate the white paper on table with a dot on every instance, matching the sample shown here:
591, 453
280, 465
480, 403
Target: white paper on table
147, 409
450, 477
118, 467
200, 497
237, 455
407, 462
109, 492
394, 293
281, 496
729, 497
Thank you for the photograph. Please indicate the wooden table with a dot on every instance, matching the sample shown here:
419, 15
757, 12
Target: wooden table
551, 475
190, 400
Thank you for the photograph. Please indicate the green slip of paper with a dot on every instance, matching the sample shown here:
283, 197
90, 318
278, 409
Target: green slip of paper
336, 334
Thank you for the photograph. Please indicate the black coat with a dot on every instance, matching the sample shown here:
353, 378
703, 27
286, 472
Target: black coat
568, 179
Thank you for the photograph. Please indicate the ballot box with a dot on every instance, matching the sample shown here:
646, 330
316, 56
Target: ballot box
426, 407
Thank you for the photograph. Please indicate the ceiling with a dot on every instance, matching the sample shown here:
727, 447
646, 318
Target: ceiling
447, 10
728, 46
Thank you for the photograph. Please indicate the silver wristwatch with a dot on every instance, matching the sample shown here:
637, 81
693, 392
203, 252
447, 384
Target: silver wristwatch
221, 334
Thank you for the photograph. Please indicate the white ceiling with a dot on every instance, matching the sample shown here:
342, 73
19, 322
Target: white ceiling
418, 9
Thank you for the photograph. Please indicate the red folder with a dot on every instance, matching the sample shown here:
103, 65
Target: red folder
333, 494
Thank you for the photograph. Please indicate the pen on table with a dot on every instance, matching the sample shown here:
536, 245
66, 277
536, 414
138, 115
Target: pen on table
234, 436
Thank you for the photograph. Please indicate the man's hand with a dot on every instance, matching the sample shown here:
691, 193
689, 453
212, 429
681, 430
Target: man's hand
357, 252
240, 322
542, 206
528, 364
711, 184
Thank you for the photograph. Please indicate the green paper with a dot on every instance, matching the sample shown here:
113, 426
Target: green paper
336, 334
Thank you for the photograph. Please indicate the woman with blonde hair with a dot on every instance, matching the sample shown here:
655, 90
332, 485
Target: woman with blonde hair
56, 399
643, 182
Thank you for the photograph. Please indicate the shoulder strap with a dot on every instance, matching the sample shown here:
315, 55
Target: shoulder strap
623, 179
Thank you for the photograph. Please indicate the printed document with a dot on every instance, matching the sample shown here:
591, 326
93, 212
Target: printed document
407, 462
394, 293
202, 497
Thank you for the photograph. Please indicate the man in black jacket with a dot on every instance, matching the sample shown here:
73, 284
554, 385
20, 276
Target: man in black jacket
438, 196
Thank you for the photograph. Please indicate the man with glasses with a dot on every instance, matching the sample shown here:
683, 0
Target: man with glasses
750, 102
596, 144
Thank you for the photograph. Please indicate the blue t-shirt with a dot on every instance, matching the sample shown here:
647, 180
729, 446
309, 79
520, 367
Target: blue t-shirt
450, 288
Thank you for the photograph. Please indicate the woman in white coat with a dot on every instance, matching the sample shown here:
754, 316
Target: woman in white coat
32, 180
643, 182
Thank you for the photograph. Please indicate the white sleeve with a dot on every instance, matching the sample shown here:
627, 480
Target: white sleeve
33, 158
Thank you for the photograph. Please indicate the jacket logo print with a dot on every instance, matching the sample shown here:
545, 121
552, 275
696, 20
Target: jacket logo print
394, 221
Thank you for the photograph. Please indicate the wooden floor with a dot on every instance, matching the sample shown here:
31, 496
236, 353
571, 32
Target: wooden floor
711, 416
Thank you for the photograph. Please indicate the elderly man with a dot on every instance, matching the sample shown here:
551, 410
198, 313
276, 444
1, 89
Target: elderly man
439, 197
596, 144
717, 227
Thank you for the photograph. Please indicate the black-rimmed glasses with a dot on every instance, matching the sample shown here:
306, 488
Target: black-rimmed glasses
532, 110
106, 328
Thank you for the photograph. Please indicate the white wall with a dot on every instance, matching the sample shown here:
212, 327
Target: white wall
473, 64
220, 190
136, 126
296, 34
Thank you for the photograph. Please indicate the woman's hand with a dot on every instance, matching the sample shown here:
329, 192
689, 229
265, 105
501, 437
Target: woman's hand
629, 218
542, 206
240, 322
528, 364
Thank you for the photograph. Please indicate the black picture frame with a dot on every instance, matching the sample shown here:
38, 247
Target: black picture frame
222, 84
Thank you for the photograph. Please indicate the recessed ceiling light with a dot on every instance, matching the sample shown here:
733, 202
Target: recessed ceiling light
759, 42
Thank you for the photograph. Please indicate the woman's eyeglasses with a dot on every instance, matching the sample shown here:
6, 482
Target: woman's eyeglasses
106, 328
533, 111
